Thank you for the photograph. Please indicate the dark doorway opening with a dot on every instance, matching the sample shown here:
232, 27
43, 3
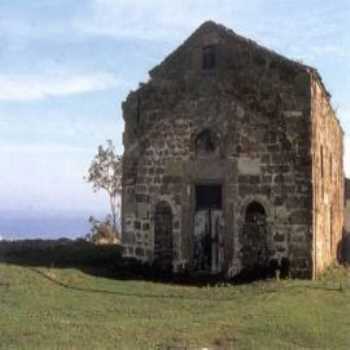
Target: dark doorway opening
208, 229
208, 197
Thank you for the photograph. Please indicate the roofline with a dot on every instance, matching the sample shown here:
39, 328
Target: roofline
207, 25
211, 25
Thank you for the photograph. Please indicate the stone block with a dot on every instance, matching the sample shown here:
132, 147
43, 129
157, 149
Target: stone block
174, 168
142, 210
300, 217
137, 225
279, 237
140, 252
249, 166
129, 237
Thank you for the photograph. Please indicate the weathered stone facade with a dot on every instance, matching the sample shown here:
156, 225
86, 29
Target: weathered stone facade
327, 178
222, 163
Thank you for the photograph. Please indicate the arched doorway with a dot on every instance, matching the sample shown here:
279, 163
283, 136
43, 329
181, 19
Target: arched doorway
163, 237
254, 251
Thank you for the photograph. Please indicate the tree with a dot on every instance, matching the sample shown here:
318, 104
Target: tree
101, 232
105, 173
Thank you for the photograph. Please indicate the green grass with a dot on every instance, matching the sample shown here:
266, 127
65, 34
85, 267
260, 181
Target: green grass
52, 308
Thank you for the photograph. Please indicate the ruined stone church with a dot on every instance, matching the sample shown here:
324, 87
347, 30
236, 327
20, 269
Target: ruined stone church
233, 162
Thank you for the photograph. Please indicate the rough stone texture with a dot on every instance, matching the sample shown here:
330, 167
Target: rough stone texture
328, 179
253, 124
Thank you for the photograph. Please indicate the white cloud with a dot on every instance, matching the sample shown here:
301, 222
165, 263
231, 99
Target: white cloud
316, 52
343, 113
335, 50
28, 87
30, 149
268, 23
157, 19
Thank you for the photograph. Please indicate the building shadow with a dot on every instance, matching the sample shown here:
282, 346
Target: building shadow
61, 253
106, 261
344, 249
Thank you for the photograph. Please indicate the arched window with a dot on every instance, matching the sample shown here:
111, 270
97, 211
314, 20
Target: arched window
163, 237
206, 144
255, 213
255, 252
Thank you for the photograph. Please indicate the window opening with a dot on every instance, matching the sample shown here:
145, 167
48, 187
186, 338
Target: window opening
209, 57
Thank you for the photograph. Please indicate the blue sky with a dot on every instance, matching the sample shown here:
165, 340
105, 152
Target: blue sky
66, 66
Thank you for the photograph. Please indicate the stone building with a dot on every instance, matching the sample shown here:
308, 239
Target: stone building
233, 161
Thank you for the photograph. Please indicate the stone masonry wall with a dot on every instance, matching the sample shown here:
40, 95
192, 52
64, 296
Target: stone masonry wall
328, 179
257, 104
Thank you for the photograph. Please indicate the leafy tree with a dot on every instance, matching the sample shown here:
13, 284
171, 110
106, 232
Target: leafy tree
101, 231
105, 173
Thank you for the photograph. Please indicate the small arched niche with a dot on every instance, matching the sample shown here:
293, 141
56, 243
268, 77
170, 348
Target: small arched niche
255, 213
255, 253
207, 144
163, 237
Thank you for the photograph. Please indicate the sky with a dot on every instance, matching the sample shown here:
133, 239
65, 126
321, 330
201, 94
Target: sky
66, 66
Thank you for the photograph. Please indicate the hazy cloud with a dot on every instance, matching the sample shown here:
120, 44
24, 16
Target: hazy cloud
36, 87
283, 26
46, 178
156, 19
43, 149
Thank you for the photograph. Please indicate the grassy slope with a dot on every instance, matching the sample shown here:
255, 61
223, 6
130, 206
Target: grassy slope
99, 313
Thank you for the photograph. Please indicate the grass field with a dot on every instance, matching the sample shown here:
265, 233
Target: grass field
66, 308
